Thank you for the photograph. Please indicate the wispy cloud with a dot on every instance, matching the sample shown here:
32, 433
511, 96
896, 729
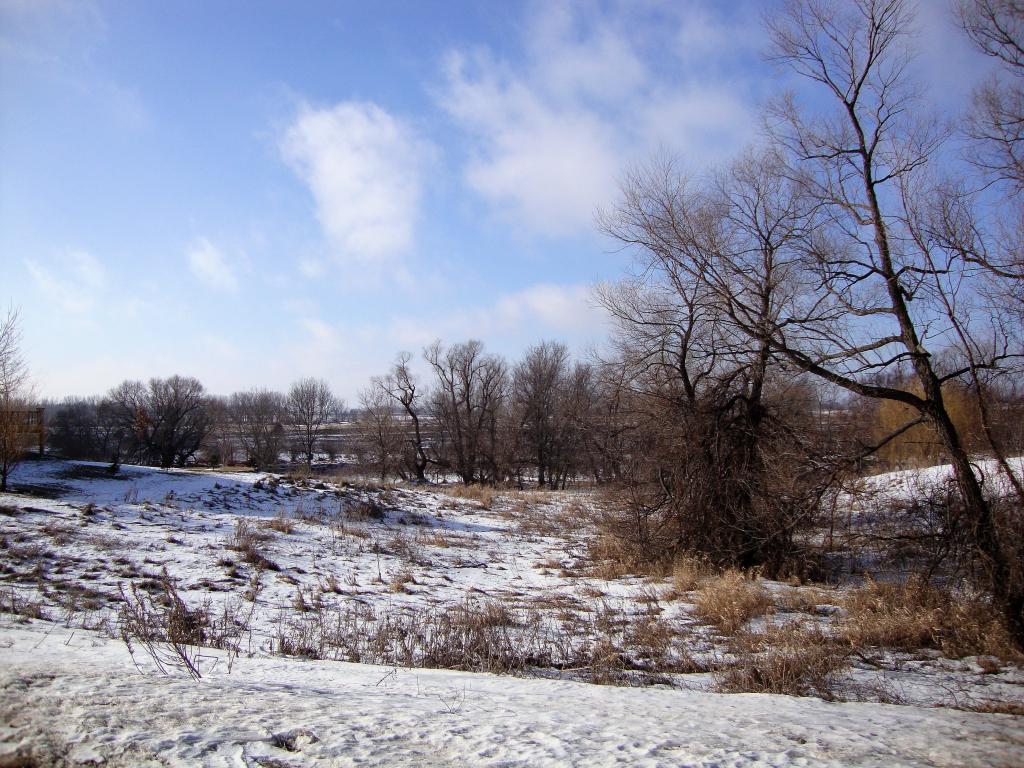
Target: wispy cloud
210, 266
364, 168
542, 310
550, 136
72, 282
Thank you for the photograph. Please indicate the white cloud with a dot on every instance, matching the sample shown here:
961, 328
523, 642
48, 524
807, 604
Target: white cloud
210, 266
512, 320
72, 283
549, 137
551, 309
363, 167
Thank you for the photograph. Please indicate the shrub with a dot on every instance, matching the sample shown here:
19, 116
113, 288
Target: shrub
248, 540
171, 631
366, 509
14, 603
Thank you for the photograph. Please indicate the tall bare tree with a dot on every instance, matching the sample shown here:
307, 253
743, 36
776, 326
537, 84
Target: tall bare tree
14, 440
815, 253
259, 416
164, 420
997, 121
405, 390
311, 408
467, 403
380, 429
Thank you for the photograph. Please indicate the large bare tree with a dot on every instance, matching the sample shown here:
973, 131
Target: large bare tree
818, 252
164, 421
540, 399
259, 416
380, 429
997, 121
467, 403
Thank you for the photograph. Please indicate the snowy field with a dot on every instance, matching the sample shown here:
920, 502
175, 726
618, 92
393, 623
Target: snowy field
76, 699
299, 578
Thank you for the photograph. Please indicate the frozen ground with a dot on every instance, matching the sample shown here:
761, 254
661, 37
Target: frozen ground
328, 564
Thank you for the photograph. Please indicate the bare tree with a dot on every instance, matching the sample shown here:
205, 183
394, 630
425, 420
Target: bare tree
721, 460
380, 429
997, 121
311, 408
815, 252
165, 421
13, 371
541, 401
404, 389
83, 428
892, 293
14, 439
467, 403
259, 417
222, 440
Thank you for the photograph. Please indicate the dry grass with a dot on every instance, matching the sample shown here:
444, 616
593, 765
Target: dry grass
12, 602
487, 615
689, 573
1014, 708
804, 599
730, 600
365, 509
280, 523
915, 614
795, 662
248, 540
612, 557
482, 494
400, 580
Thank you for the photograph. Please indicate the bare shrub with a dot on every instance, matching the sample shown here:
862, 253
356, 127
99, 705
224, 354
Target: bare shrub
649, 639
730, 600
366, 509
12, 602
916, 614
804, 600
399, 580
172, 633
488, 615
614, 556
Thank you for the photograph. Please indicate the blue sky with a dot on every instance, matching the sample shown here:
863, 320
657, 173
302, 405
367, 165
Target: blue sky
251, 192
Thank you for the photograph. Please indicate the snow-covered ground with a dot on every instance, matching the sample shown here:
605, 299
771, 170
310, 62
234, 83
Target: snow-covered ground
908, 483
73, 698
315, 569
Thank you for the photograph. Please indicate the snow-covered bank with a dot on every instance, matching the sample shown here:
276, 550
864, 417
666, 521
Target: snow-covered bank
76, 698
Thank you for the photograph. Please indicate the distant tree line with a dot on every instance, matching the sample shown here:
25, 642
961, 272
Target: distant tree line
174, 422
